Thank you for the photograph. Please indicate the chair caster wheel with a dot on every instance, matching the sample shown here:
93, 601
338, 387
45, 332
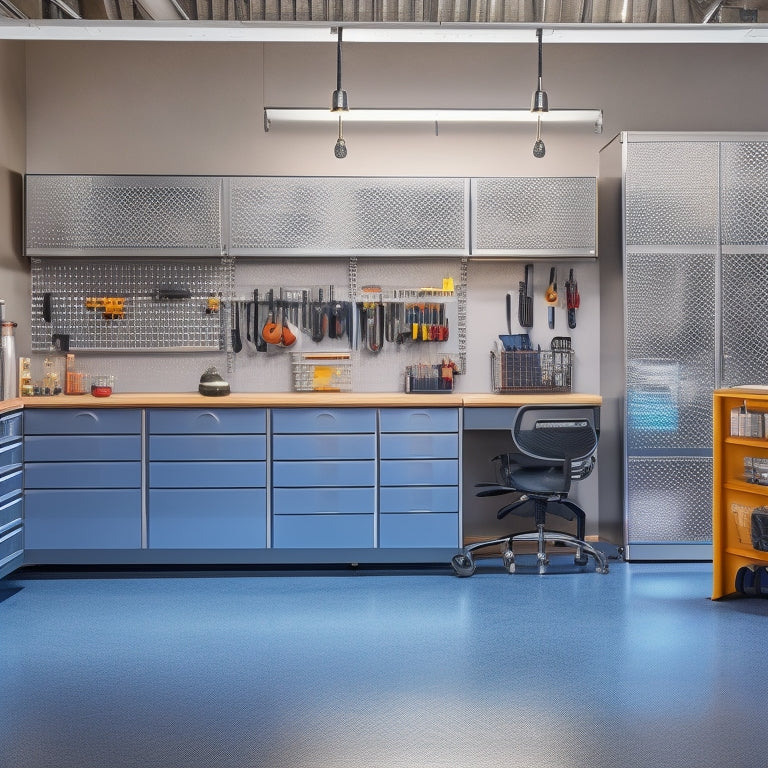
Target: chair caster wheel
508, 558
464, 565
583, 560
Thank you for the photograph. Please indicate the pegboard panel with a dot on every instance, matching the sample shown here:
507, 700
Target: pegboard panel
72, 294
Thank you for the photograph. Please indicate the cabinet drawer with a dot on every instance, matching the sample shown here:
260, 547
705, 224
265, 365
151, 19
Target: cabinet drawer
50, 421
324, 501
203, 421
419, 472
420, 446
443, 498
207, 448
10, 514
10, 427
82, 448
419, 530
419, 419
11, 485
207, 519
322, 531
208, 474
10, 456
324, 447
314, 420
307, 474
93, 474
11, 545
83, 519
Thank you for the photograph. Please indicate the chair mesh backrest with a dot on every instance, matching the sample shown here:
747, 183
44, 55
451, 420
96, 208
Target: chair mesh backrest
559, 439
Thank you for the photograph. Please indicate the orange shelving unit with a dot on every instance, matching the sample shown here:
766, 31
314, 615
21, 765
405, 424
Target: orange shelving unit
734, 497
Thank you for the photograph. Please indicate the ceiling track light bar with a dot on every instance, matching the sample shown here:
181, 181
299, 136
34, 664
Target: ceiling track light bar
285, 115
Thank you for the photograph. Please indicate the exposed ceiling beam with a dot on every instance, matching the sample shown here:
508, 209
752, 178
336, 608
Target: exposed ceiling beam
10, 10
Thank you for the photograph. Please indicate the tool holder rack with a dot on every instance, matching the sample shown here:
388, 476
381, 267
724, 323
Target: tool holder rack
145, 322
523, 370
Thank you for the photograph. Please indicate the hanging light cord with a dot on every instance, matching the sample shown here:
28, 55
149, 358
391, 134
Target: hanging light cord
538, 34
338, 62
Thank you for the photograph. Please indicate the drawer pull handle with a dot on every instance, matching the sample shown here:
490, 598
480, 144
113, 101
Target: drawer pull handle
209, 415
89, 415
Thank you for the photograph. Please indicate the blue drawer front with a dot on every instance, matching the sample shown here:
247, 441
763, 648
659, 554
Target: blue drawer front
207, 448
84, 519
322, 501
324, 447
419, 530
10, 455
314, 420
322, 531
83, 448
420, 472
207, 519
10, 427
208, 474
443, 498
420, 446
419, 419
204, 421
94, 474
10, 514
305, 474
11, 485
11, 546
51, 421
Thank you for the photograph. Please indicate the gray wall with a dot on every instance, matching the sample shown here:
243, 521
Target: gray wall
197, 108
14, 271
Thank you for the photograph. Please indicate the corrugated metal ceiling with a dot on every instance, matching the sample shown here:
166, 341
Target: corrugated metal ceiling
504, 11
389, 11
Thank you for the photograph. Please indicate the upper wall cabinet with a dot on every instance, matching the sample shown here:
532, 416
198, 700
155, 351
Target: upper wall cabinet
526, 217
348, 216
123, 215
671, 191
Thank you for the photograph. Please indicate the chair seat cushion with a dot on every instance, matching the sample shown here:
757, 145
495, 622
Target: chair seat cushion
539, 480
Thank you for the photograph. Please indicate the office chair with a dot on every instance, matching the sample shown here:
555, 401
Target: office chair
554, 446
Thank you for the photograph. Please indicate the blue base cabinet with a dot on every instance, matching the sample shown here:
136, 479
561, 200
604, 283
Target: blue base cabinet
324, 478
419, 477
11, 489
207, 478
82, 475
229, 485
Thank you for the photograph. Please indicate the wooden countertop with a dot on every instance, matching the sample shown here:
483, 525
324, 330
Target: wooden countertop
295, 399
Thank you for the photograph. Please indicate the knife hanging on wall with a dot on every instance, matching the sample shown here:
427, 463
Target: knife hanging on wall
550, 295
572, 298
525, 302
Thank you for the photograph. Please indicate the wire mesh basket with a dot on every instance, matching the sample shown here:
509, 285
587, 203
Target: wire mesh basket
530, 370
322, 372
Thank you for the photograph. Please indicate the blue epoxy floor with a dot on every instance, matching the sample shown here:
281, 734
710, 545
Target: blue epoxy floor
381, 668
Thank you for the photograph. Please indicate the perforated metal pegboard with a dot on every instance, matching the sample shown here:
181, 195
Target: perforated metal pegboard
744, 193
669, 499
670, 340
745, 319
149, 324
332, 216
672, 193
93, 213
539, 213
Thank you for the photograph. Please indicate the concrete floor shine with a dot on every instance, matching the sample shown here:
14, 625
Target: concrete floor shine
381, 668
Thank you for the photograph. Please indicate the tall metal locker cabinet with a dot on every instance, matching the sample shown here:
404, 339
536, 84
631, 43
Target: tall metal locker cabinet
683, 237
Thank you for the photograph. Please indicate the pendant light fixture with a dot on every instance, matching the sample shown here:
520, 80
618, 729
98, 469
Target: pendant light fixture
339, 102
539, 105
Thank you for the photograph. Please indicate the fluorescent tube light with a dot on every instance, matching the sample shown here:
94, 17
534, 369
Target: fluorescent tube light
376, 32
277, 115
